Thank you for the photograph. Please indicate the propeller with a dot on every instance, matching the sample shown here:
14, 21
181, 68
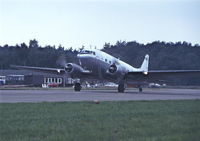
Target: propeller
61, 61
113, 68
69, 67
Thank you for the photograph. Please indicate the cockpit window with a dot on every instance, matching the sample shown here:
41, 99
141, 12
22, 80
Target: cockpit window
87, 52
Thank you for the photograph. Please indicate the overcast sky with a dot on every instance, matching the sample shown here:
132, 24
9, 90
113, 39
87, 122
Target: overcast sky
73, 23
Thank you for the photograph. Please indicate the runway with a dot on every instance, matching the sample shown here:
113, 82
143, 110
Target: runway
55, 95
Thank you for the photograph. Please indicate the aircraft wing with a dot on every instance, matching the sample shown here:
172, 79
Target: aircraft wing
164, 76
39, 69
50, 70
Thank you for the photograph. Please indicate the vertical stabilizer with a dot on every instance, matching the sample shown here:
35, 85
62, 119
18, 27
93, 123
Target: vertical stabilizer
145, 65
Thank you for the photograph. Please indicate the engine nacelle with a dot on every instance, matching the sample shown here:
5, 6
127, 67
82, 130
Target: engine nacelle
114, 69
73, 69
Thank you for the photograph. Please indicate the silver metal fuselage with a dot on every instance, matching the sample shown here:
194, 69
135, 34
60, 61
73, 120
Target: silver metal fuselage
98, 68
99, 62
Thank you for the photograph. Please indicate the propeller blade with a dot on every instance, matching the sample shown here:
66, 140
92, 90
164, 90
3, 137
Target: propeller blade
62, 61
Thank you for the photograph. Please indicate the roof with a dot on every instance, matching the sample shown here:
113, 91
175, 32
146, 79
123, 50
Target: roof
26, 72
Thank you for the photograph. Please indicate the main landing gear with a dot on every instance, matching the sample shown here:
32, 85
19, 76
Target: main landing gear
140, 88
121, 88
77, 87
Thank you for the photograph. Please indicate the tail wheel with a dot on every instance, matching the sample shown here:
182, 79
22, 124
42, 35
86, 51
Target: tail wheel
77, 87
121, 88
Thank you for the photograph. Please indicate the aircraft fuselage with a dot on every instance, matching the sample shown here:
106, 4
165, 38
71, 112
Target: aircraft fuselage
99, 63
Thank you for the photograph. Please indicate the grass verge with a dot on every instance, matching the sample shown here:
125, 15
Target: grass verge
109, 121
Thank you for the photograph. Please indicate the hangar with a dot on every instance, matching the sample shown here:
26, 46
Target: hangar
31, 78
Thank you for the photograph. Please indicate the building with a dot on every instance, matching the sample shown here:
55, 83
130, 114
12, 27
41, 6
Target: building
2, 80
31, 78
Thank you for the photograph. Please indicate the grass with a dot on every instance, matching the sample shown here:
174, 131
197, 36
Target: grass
107, 121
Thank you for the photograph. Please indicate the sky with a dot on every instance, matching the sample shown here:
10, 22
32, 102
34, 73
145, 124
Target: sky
91, 23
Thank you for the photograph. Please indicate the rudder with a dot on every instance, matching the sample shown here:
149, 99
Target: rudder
145, 65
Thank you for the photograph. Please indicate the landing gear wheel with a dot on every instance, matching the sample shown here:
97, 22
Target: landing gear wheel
140, 89
77, 87
121, 88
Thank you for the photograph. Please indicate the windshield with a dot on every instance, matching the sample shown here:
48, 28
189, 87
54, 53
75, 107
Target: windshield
87, 52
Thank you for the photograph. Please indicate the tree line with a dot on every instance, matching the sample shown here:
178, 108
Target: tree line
163, 55
179, 55
34, 55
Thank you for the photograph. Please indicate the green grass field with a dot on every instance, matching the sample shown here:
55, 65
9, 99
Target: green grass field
107, 121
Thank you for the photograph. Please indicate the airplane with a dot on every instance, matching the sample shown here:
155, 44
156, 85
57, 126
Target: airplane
97, 65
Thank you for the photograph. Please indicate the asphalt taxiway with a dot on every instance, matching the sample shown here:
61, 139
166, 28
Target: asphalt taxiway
55, 95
